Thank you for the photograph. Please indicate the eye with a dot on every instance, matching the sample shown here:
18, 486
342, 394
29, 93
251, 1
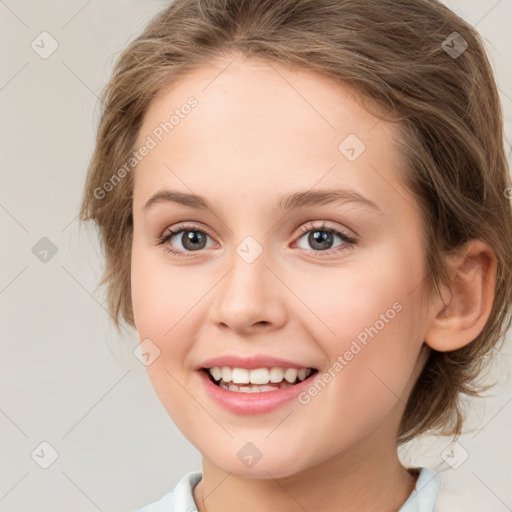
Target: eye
192, 239
321, 238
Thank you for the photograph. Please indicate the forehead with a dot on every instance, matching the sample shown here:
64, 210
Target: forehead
258, 125
255, 91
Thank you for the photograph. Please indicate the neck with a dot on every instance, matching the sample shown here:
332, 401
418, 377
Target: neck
343, 483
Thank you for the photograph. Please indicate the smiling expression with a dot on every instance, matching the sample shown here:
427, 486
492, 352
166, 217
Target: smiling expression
271, 230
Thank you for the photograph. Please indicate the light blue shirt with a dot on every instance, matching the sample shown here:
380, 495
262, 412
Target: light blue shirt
181, 498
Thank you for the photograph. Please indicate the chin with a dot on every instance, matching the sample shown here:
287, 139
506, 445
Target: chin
262, 469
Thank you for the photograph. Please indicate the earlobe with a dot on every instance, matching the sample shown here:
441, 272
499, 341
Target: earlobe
460, 315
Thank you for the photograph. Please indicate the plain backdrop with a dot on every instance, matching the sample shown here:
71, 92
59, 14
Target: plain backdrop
70, 387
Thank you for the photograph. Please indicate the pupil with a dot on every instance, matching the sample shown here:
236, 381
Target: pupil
320, 237
194, 238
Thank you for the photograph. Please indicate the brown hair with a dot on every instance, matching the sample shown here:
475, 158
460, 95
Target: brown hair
396, 55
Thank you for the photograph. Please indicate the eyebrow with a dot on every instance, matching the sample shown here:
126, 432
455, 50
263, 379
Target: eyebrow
291, 202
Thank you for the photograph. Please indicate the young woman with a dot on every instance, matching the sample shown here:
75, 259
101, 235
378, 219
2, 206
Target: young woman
304, 211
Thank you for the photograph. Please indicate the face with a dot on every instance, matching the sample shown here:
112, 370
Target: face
273, 269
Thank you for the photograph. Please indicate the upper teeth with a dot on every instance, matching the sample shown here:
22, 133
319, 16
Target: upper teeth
258, 375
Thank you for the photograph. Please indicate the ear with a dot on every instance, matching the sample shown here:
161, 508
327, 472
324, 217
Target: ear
469, 298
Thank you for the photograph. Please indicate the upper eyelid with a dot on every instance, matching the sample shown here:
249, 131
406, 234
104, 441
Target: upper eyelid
178, 229
308, 226
349, 241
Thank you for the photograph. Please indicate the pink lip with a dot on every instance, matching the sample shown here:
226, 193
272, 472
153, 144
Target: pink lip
253, 403
250, 362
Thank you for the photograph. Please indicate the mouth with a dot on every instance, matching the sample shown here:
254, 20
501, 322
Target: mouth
257, 380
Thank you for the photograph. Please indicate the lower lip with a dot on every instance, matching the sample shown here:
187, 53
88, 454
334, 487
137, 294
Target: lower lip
253, 403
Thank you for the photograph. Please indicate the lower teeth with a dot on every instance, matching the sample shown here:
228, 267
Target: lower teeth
247, 388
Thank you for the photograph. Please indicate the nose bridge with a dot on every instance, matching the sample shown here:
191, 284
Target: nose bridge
248, 294
246, 280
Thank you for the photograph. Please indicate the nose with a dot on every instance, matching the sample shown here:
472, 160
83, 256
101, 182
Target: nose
249, 298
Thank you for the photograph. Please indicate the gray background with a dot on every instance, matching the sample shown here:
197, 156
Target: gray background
66, 377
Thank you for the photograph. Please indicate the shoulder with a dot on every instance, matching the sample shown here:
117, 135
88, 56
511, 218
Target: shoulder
461, 491
180, 499
444, 490
425, 493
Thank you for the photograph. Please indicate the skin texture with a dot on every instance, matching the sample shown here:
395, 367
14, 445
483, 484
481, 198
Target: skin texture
261, 131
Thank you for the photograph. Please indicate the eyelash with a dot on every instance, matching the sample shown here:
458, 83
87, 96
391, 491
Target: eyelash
347, 239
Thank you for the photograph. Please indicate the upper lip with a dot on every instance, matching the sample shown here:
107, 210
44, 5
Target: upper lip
250, 362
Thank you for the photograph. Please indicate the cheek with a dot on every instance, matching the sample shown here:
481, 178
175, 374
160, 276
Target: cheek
369, 323
163, 304
161, 294
353, 302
